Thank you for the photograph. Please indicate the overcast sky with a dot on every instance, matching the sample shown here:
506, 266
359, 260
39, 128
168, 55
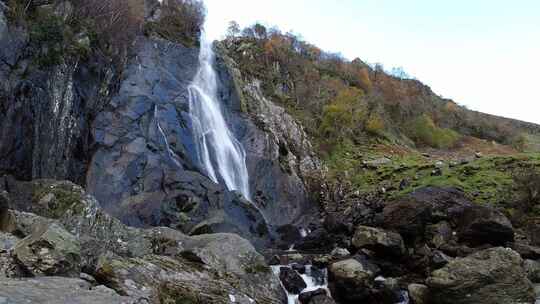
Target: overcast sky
484, 54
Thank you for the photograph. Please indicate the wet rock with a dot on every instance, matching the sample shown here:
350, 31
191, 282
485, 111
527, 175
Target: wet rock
483, 225
407, 216
350, 281
340, 253
532, 268
7, 241
301, 269
379, 240
306, 297
319, 240
291, 280
439, 234
439, 259
418, 293
490, 276
58, 290
50, 250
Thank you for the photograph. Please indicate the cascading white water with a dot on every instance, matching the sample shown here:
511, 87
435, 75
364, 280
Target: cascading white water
219, 153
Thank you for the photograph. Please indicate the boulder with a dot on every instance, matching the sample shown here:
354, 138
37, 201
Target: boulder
319, 240
439, 234
532, 268
225, 252
50, 250
321, 299
483, 225
306, 297
59, 290
381, 241
491, 276
418, 293
291, 280
407, 216
350, 281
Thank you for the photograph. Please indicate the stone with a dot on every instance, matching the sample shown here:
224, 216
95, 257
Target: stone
407, 216
376, 163
378, 240
532, 268
350, 280
491, 276
59, 290
50, 250
306, 297
418, 293
439, 234
483, 225
7, 241
339, 253
319, 240
291, 280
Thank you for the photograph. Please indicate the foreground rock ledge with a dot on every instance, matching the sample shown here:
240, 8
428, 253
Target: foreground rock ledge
493, 275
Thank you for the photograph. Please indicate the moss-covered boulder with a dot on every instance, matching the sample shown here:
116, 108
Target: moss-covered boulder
493, 276
50, 250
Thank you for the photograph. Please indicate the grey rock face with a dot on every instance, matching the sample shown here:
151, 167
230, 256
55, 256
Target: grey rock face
490, 276
50, 250
58, 290
280, 157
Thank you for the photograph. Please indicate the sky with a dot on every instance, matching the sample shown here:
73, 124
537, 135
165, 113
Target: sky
484, 54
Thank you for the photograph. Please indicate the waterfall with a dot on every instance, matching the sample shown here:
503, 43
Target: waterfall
219, 153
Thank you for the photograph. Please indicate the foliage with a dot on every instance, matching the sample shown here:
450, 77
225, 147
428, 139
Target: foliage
180, 21
424, 131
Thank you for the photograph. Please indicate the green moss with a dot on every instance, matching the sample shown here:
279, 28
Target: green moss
65, 198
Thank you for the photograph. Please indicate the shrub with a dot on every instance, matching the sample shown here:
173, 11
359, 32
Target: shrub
342, 115
181, 21
423, 131
375, 124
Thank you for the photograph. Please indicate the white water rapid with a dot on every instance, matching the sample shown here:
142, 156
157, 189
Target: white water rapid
313, 281
219, 153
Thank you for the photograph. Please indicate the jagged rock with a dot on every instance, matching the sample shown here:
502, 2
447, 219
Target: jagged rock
532, 268
291, 280
340, 253
418, 293
439, 234
378, 240
50, 250
407, 216
439, 259
376, 163
7, 241
57, 290
316, 241
482, 225
301, 269
490, 276
226, 252
350, 281
318, 296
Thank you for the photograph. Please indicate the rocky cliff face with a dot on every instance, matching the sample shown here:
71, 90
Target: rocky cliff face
132, 147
